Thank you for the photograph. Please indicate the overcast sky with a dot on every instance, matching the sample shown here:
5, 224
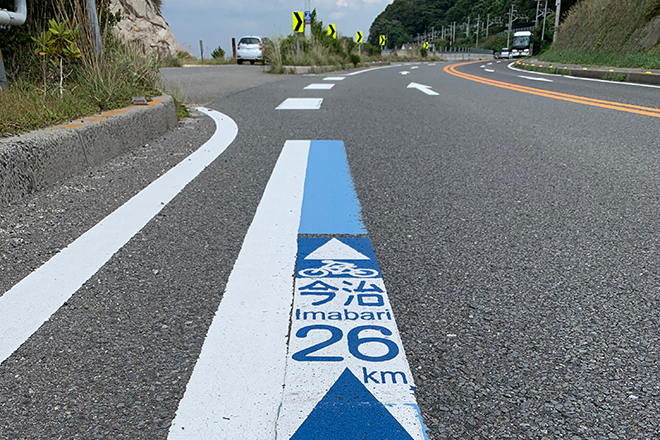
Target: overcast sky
215, 22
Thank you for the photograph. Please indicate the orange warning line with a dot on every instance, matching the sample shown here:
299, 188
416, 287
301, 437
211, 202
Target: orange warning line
647, 111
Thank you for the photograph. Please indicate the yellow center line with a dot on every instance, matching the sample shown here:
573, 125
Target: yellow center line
647, 111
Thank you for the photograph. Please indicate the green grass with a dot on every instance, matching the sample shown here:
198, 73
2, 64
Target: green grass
618, 33
108, 83
640, 59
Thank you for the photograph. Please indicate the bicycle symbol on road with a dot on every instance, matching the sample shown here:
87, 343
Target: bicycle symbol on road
337, 268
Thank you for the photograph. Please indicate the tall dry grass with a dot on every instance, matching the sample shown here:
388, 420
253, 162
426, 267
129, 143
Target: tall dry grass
95, 82
608, 27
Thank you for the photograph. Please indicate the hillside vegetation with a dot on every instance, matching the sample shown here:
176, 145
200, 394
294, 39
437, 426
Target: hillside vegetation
622, 33
402, 20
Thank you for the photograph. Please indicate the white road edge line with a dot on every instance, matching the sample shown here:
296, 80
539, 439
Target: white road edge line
31, 302
236, 387
651, 86
489, 70
533, 78
372, 69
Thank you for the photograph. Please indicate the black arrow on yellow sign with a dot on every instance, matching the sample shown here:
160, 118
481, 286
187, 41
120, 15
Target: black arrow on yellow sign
332, 31
298, 22
382, 40
358, 37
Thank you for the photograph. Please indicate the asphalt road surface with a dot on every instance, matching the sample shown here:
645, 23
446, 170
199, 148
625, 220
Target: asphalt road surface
513, 216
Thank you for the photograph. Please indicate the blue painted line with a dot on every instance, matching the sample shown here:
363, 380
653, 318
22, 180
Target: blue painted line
330, 204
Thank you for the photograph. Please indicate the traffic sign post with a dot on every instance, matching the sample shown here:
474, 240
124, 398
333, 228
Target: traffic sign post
298, 28
358, 40
382, 40
332, 31
308, 17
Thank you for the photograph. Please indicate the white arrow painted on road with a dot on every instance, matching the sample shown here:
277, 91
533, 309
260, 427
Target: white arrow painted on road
422, 88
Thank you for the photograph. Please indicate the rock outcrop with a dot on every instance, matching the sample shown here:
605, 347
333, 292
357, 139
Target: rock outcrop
141, 21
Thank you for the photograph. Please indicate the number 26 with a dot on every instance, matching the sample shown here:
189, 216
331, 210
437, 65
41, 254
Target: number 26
354, 342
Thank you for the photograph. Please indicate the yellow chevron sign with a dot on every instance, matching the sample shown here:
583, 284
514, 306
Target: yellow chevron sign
426, 45
381, 40
358, 37
298, 22
332, 31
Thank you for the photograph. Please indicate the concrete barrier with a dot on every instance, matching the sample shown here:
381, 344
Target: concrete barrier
464, 56
39, 159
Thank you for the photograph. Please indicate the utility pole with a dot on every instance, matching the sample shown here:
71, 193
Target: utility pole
545, 14
94, 26
478, 19
536, 20
467, 29
557, 15
487, 24
508, 34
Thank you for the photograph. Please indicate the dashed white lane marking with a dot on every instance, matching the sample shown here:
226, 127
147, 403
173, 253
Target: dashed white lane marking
533, 78
405, 72
334, 78
489, 70
414, 67
319, 87
489, 64
236, 387
31, 302
483, 66
300, 104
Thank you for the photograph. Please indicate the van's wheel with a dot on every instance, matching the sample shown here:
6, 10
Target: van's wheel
239, 61
252, 62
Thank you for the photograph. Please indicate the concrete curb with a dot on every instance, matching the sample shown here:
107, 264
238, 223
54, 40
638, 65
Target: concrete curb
638, 76
302, 70
37, 160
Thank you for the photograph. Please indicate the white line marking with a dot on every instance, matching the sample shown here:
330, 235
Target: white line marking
533, 78
510, 66
483, 66
372, 69
414, 67
334, 78
404, 72
31, 302
651, 86
319, 87
236, 388
489, 70
300, 104
432, 64
422, 88
489, 64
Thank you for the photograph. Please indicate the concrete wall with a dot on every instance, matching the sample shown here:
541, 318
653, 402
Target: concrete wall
39, 159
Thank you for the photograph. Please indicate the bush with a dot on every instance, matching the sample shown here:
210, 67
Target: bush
218, 53
355, 59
